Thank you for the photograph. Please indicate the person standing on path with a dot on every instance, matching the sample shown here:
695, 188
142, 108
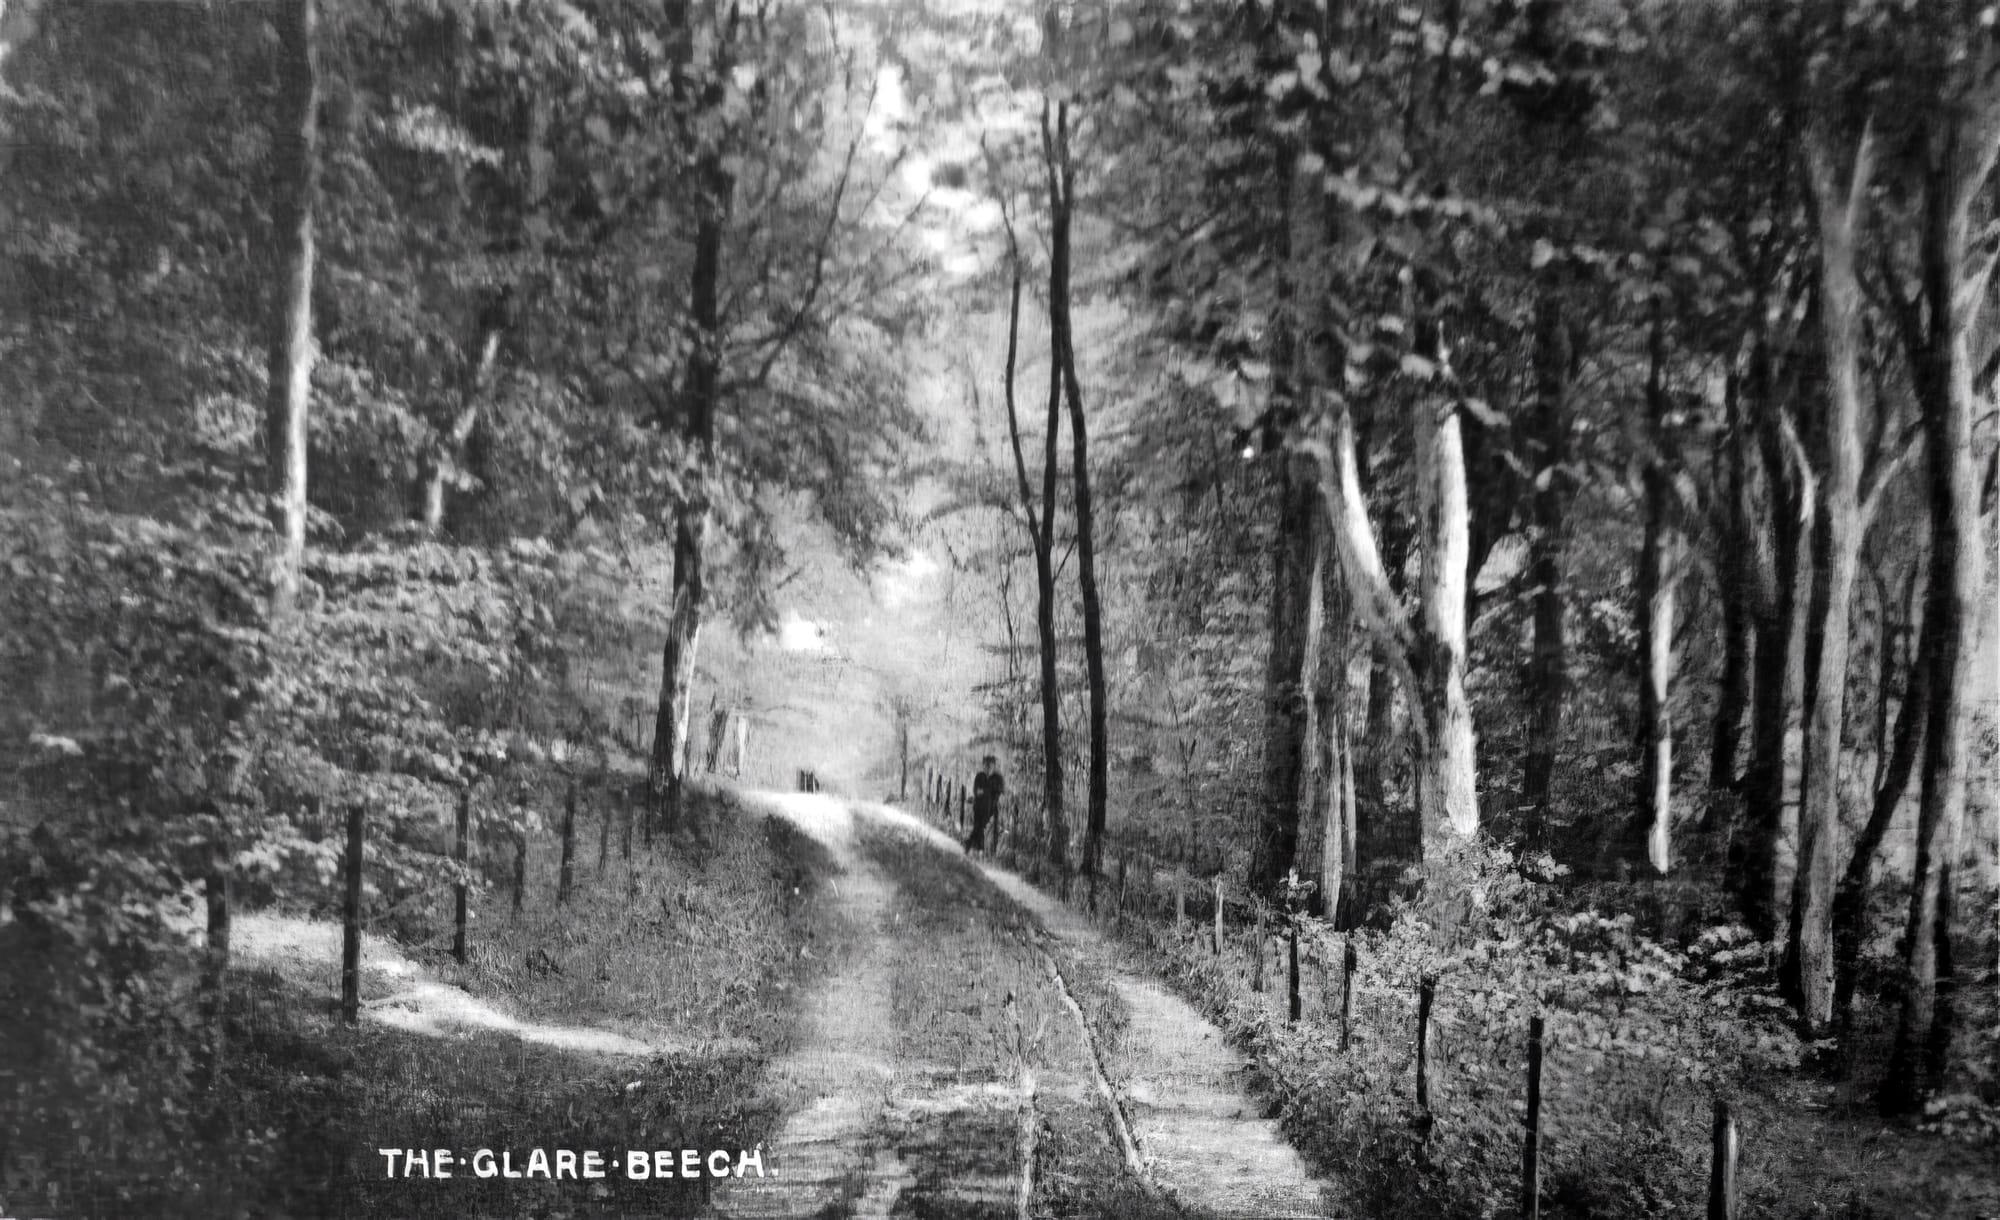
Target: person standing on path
986, 789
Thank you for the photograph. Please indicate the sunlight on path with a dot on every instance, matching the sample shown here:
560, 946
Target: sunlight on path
1182, 1089
843, 1072
306, 950
867, 1133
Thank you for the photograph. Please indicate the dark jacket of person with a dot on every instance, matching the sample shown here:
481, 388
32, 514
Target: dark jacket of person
986, 789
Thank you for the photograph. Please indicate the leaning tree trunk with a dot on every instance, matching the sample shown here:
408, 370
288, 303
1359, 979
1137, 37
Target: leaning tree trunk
1850, 901
1838, 205
295, 148
1961, 162
447, 453
1062, 186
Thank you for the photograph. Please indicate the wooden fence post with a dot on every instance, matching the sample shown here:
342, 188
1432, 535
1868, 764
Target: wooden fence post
1426, 995
1217, 943
1531, 1140
1257, 954
464, 857
1722, 1166
1180, 903
350, 917
1124, 863
604, 838
1349, 960
1292, 988
567, 873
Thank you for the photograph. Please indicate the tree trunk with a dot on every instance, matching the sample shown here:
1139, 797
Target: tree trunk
677, 661
1041, 535
1961, 160
700, 403
1775, 683
1294, 601
1290, 806
295, 149
1061, 177
1837, 522
1850, 901
1734, 585
1547, 677
1331, 790
1447, 787
1390, 837
1655, 616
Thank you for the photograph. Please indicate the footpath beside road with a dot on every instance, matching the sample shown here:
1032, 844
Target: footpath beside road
983, 1053
1182, 1088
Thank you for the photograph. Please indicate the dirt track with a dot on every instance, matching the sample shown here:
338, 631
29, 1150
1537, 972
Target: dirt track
980, 1030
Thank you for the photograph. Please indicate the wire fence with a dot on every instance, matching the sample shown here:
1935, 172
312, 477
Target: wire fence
1463, 1067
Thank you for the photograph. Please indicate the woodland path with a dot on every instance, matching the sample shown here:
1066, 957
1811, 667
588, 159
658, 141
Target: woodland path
955, 1014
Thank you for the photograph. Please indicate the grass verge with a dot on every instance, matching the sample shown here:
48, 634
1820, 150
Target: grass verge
699, 949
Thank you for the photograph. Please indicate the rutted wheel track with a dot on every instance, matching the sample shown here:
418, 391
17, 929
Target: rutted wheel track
1177, 1085
915, 1090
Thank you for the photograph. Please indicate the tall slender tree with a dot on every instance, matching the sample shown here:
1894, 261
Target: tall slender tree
295, 187
1060, 173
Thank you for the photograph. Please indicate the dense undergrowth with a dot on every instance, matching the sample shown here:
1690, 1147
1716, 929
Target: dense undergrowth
1647, 1022
164, 730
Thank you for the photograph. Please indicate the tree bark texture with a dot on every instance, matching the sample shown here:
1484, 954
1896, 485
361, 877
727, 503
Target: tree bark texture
295, 150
